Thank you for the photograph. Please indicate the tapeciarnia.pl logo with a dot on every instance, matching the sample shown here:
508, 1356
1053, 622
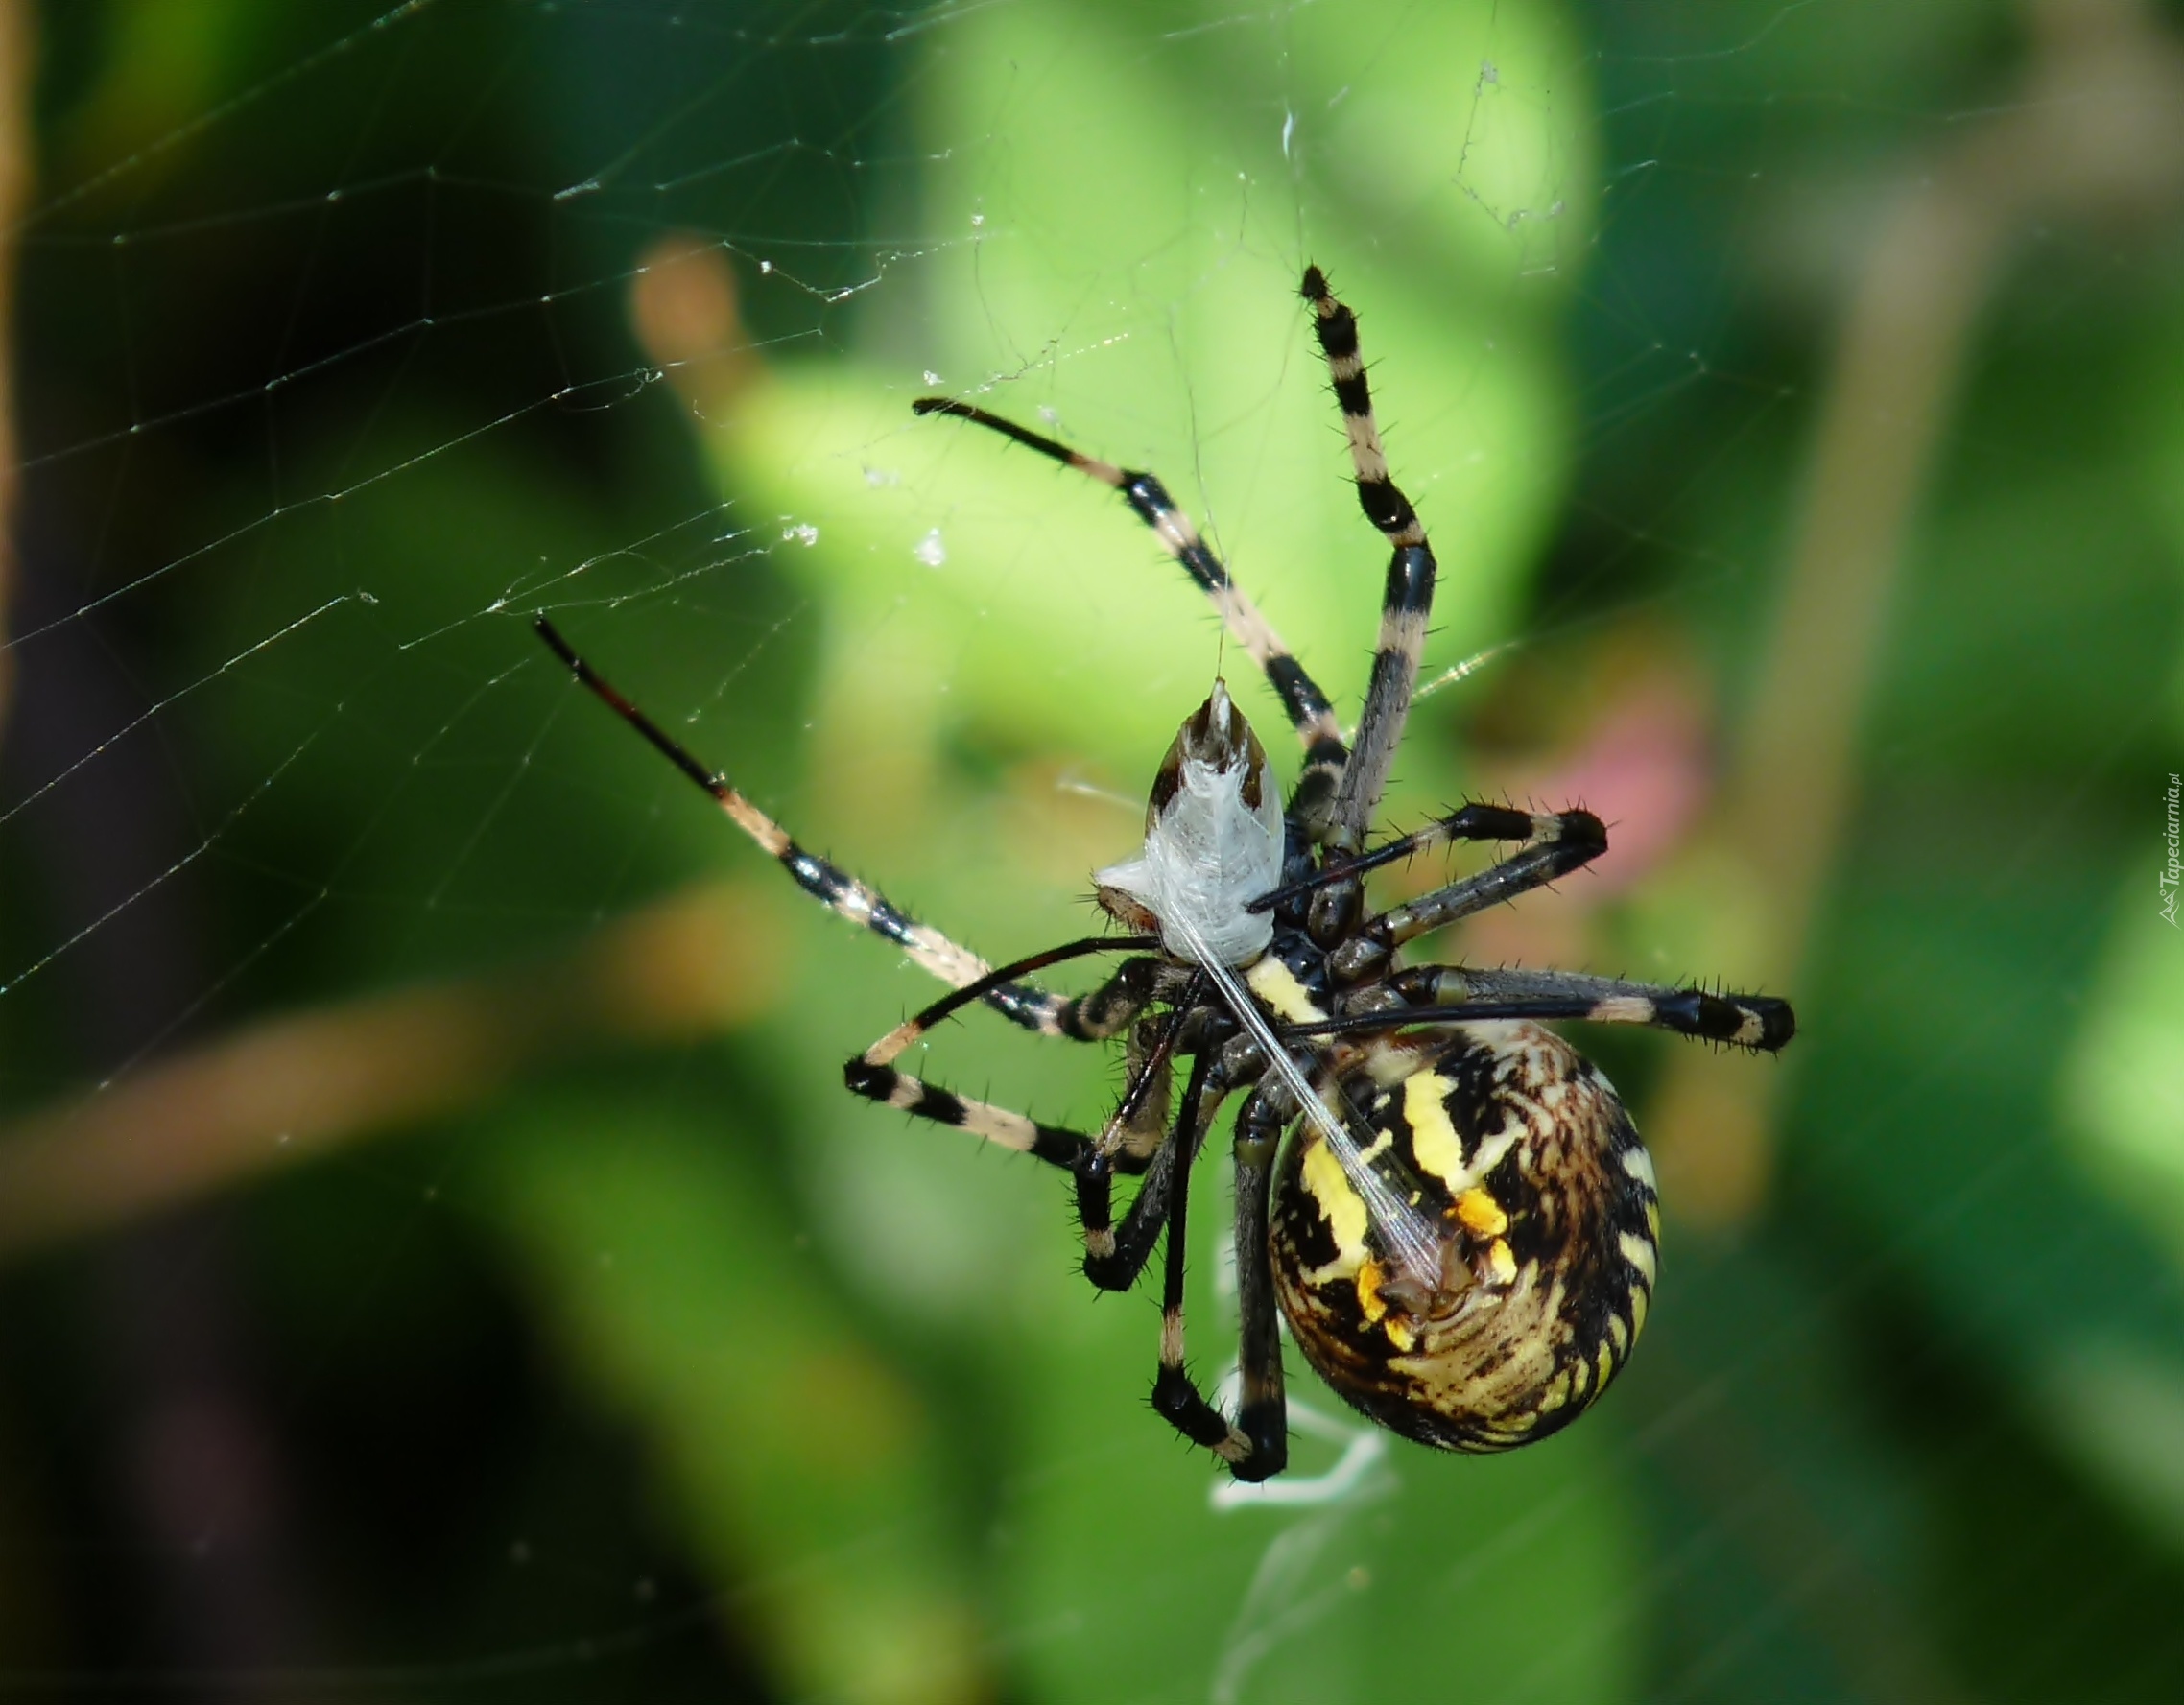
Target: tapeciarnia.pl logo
2171, 872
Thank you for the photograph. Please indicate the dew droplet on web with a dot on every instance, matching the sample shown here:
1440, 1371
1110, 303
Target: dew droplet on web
803, 533
931, 549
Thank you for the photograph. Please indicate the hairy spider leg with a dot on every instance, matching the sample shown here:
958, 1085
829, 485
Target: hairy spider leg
1176, 1395
1113, 1256
1307, 707
839, 892
1140, 1120
1531, 866
1558, 843
1452, 994
1572, 839
1263, 1414
1093, 1017
1255, 1445
1572, 829
1759, 1021
1408, 599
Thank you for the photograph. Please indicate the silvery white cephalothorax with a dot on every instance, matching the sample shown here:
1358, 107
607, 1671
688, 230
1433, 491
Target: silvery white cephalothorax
1213, 844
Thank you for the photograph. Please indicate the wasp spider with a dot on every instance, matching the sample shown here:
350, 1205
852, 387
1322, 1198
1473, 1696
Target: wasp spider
1446, 1200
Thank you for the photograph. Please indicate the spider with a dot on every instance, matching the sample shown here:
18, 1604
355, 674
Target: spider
1446, 1201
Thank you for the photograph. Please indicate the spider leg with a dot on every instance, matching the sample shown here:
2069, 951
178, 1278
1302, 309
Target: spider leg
834, 888
1056, 1145
1264, 1413
1470, 823
1560, 843
1133, 1141
1113, 1257
1307, 706
1457, 995
1092, 1017
1175, 1394
1134, 1129
1138, 1139
1531, 866
1408, 599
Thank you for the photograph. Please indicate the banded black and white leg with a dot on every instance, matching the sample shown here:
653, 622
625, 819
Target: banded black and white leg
1263, 1412
1113, 1256
1130, 1143
1137, 1140
1407, 599
839, 892
1253, 1446
1309, 712
1578, 832
1565, 841
1176, 1395
1552, 845
1452, 994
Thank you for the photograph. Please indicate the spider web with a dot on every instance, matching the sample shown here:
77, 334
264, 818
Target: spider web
440, 1259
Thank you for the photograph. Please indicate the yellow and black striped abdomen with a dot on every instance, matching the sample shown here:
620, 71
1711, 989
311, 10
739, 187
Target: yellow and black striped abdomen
1517, 1154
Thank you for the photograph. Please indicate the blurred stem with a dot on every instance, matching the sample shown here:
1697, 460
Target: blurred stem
299, 1086
2097, 134
17, 62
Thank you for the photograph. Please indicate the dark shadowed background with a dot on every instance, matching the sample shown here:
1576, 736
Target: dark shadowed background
437, 1260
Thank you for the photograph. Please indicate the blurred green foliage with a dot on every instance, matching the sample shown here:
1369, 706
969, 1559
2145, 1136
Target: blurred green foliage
671, 1370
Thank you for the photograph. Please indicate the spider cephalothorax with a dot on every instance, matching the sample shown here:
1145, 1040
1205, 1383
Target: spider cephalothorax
1446, 1200
1213, 844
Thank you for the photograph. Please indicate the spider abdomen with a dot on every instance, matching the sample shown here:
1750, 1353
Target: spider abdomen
1524, 1172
